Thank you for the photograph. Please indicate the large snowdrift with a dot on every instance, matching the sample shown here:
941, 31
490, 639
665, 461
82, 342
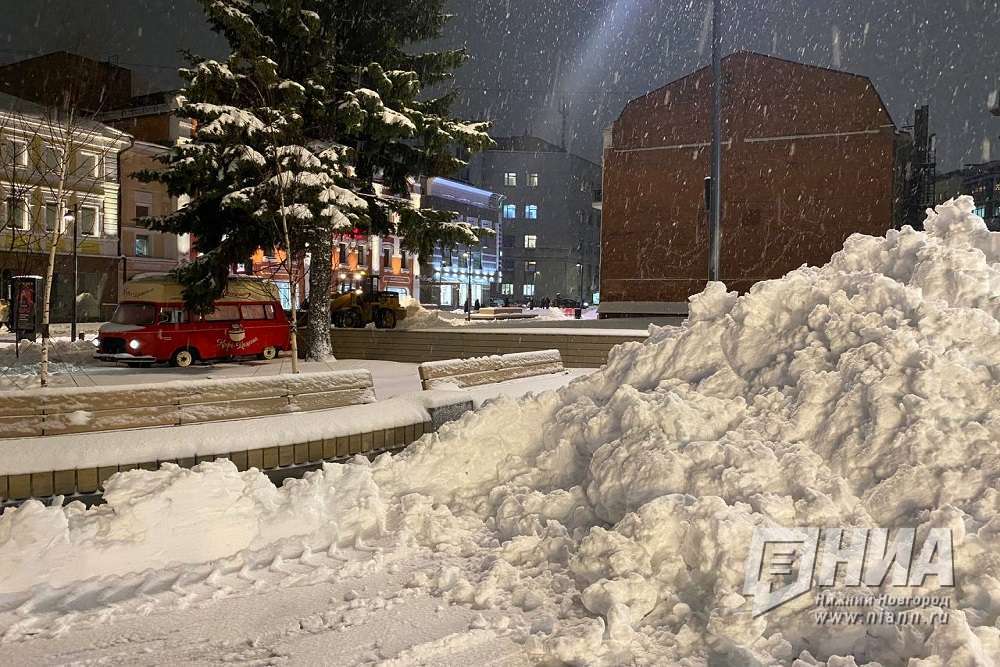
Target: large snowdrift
616, 513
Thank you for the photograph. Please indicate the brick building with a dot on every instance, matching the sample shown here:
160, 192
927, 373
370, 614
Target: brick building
807, 160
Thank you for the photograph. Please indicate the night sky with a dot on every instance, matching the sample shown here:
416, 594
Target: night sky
530, 56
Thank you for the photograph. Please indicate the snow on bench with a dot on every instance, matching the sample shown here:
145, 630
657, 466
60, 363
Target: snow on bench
487, 370
74, 410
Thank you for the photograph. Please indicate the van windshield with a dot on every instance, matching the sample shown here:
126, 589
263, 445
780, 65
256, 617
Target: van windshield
134, 313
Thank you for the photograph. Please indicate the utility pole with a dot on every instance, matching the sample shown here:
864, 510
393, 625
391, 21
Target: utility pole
715, 215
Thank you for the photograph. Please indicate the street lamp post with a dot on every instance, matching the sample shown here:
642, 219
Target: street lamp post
468, 294
715, 223
579, 267
71, 219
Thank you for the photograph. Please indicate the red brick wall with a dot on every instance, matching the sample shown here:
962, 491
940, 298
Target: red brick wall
785, 202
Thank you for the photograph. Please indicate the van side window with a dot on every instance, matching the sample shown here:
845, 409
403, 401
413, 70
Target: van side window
253, 312
269, 311
223, 313
173, 316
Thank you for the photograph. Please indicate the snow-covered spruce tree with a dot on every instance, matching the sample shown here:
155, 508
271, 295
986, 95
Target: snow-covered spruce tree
338, 85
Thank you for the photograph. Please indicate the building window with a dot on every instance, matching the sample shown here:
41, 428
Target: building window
89, 164
52, 217
529, 267
88, 221
528, 290
143, 207
510, 211
530, 241
142, 246
18, 211
980, 211
532, 180
507, 289
510, 179
49, 162
508, 241
14, 152
342, 254
531, 212
508, 265
402, 262
386, 259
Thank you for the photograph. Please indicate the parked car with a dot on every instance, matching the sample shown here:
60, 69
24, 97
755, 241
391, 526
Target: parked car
152, 324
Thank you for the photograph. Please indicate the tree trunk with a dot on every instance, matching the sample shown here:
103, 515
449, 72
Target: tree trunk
317, 338
50, 267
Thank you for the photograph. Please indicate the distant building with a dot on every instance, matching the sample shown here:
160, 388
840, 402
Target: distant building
446, 276
32, 139
111, 94
552, 232
982, 181
808, 159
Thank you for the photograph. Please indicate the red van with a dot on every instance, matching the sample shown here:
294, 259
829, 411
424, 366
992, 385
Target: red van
151, 324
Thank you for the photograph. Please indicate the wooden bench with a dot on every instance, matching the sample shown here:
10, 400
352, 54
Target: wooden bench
487, 370
74, 410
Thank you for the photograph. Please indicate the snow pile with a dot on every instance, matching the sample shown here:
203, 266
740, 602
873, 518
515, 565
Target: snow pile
65, 355
179, 516
611, 519
418, 317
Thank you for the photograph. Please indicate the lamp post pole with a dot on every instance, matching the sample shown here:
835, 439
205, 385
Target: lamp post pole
579, 267
715, 223
72, 219
468, 292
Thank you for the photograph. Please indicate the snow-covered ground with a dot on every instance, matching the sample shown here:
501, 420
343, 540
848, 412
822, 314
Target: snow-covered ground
604, 523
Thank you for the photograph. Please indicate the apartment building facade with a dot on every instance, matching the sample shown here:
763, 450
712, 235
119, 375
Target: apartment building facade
551, 240
57, 174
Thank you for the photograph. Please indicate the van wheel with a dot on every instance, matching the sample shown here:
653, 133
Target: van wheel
182, 358
270, 352
387, 319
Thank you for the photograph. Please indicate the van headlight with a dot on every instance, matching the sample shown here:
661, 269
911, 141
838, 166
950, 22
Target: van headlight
133, 344
96, 342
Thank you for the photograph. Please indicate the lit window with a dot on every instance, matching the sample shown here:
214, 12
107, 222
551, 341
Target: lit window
142, 246
530, 241
510, 211
507, 289
528, 290
529, 267
532, 180
510, 179
981, 211
531, 212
